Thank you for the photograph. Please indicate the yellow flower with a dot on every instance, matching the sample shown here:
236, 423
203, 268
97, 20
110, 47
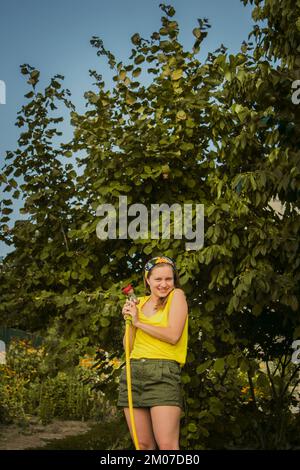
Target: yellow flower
160, 260
86, 362
116, 362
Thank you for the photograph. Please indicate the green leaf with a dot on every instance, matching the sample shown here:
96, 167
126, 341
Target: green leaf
34, 74
257, 309
263, 381
136, 72
136, 39
209, 306
105, 269
163, 31
122, 75
235, 241
6, 210
130, 99
197, 33
241, 76
209, 346
186, 146
185, 378
232, 360
191, 183
184, 279
148, 249
192, 427
13, 183
244, 365
139, 59
219, 365
181, 115
203, 367
177, 74
105, 322
228, 75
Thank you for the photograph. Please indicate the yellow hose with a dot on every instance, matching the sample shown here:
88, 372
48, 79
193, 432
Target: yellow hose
128, 377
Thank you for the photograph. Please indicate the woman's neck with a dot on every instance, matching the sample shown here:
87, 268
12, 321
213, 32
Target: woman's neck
153, 298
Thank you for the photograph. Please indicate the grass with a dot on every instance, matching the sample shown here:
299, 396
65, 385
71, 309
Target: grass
102, 436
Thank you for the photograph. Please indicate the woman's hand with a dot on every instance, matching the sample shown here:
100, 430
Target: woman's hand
131, 310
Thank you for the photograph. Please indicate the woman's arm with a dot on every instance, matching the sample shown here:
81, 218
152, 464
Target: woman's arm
177, 317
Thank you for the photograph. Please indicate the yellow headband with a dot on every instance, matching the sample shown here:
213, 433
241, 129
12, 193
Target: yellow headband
157, 260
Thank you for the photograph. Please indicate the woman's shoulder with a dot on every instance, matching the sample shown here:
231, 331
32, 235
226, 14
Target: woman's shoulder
178, 292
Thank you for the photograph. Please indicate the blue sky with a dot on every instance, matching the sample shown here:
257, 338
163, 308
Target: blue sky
53, 36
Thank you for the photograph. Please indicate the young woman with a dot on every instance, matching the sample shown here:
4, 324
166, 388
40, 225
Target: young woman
158, 344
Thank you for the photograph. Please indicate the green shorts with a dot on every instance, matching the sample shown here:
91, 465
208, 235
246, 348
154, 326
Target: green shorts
154, 382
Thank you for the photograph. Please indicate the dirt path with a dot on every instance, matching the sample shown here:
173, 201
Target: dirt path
37, 435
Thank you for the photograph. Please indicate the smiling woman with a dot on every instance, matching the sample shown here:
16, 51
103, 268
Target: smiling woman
158, 351
153, 279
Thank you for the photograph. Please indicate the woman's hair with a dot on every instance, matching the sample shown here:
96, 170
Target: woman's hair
163, 300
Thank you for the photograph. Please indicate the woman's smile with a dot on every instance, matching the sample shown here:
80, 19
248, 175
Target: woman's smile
162, 291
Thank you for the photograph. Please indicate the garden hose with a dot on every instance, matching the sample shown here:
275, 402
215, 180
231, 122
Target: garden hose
128, 378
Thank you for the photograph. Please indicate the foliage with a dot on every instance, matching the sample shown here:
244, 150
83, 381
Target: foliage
107, 373
27, 389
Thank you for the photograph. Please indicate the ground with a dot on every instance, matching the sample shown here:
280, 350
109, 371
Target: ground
35, 435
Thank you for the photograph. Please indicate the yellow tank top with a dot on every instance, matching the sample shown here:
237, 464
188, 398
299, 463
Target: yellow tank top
146, 346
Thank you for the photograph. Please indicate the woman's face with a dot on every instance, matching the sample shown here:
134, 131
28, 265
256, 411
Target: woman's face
161, 280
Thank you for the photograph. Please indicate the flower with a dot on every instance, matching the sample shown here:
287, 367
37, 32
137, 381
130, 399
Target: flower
127, 289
